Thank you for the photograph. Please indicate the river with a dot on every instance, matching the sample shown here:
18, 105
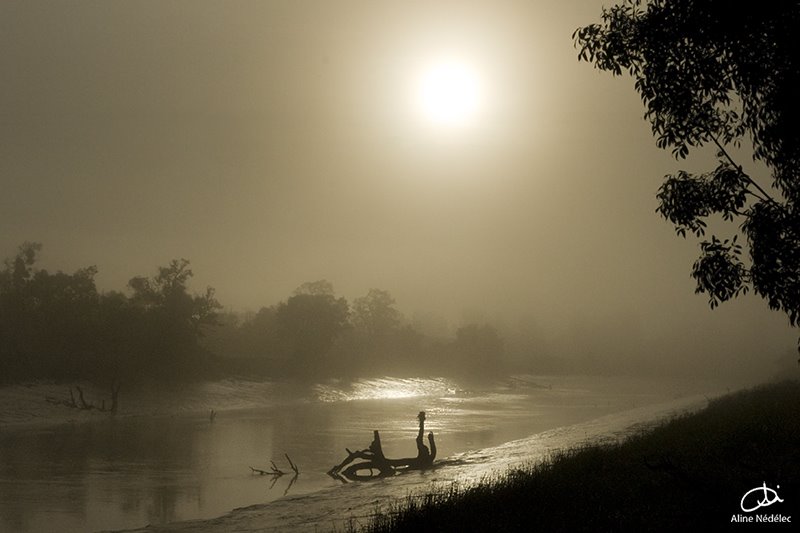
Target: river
164, 459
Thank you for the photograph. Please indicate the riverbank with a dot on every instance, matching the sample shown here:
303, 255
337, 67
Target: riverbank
690, 472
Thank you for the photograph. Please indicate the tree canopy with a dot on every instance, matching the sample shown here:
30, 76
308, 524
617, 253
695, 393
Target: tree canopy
55, 325
58, 325
376, 314
717, 73
309, 322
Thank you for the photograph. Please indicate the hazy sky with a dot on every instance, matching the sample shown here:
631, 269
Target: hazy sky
277, 142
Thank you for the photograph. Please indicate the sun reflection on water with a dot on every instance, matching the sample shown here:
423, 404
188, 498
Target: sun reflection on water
384, 389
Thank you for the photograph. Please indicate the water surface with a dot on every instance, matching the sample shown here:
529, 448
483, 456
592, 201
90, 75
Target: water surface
170, 462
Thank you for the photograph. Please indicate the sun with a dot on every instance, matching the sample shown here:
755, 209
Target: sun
449, 93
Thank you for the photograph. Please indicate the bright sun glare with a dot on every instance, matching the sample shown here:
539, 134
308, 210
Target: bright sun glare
449, 93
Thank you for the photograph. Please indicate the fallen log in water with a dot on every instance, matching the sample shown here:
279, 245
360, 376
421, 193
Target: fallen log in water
375, 465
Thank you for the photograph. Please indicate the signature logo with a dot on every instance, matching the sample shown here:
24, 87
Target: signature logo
764, 495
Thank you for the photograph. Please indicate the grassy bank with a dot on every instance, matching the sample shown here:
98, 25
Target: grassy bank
689, 473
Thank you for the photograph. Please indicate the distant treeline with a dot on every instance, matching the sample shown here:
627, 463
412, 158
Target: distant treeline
59, 326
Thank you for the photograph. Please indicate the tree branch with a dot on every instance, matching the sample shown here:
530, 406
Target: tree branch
738, 167
751, 193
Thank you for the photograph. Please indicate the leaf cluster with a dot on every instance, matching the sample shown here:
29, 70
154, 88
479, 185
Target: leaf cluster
686, 199
719, 271
773, 231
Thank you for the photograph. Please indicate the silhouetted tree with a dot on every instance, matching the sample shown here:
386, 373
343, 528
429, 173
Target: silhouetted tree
171, 319
716, 72
376, 343
257, 336
168, 292
47, 321
479, 348
321, 287
375, 314
121, 337
309, 322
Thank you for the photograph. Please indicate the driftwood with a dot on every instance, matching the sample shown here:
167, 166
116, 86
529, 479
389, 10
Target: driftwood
375, 465
373, 461
276, 473
83, 405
